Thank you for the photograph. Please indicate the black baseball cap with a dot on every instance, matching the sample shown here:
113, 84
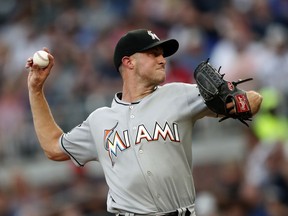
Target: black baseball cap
140, 40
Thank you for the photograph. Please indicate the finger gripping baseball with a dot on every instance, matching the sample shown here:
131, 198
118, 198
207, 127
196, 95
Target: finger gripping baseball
217, 92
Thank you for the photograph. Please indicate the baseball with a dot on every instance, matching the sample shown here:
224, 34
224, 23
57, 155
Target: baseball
41, 58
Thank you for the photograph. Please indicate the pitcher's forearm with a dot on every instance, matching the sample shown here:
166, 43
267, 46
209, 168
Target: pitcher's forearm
47, 131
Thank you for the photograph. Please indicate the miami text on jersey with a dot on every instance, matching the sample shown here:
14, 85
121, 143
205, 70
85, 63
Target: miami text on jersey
114, 141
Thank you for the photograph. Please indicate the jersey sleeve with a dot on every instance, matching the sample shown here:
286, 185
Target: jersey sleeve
79, 144
196, 103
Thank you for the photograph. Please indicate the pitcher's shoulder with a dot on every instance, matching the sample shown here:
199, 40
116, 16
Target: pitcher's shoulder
174, 86
102, 111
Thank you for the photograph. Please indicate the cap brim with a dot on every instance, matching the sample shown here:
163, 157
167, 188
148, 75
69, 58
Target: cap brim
169, 46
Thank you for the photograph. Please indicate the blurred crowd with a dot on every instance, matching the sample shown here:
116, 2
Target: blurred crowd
247, 38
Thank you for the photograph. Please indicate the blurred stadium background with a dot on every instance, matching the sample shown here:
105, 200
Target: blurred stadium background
238, 171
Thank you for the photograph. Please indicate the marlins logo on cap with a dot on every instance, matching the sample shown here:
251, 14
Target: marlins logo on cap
139, 41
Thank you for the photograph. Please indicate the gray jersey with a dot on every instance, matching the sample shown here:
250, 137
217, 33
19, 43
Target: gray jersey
143, 148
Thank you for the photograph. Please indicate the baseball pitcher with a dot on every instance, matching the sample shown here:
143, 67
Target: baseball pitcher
143, 140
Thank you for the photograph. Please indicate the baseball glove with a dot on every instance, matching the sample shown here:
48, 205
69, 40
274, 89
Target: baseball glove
217, 92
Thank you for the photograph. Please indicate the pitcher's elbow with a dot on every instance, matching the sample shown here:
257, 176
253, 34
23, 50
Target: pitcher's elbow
60, 156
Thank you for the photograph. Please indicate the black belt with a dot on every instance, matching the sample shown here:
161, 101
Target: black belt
174, 213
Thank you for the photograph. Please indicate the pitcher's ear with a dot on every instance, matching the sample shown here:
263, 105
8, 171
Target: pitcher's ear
127, 62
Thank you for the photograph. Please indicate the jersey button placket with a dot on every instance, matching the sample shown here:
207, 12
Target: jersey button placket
156, 195
131, 115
